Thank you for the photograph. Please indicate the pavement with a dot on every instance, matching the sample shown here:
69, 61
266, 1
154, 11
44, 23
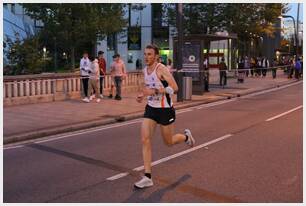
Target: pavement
24, 122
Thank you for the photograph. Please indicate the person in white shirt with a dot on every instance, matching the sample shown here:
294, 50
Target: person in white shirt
265, 64
158, 88
84, 68
94, 79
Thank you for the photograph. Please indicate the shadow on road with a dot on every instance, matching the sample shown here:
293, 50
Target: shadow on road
156, 196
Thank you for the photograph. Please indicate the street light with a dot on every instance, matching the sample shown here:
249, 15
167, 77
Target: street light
44, 57
295, 34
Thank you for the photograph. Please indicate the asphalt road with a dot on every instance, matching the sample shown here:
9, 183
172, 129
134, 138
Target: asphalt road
238, 157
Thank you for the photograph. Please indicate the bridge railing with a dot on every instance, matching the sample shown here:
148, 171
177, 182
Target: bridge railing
28, 89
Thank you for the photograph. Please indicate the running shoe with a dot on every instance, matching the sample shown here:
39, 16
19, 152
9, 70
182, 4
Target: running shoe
143, 183
190, 142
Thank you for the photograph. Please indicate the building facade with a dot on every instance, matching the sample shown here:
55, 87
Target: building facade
147, 26
16, 24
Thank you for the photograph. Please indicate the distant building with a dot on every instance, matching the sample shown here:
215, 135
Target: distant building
145, 27
15, 24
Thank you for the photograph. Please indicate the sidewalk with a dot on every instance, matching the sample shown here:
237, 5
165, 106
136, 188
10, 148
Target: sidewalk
38, 120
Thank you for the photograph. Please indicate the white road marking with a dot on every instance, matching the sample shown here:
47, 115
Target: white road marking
270, 90
165, 159
94, 130
50, 138
215, 103
13, 147
183, 111
80, 132
283, 114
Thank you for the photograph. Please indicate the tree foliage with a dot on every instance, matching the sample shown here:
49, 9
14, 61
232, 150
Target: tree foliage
240, 18
26, 57
75, 26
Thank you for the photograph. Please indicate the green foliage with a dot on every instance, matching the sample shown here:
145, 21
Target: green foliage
243, 19
26, 57
76, 27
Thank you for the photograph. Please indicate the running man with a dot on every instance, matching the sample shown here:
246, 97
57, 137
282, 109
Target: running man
159, 86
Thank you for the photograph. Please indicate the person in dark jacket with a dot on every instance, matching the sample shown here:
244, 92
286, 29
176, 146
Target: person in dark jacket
222, 72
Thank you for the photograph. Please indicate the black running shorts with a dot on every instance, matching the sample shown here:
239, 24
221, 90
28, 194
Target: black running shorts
163, 116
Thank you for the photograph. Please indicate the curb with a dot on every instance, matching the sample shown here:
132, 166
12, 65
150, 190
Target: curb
136, 115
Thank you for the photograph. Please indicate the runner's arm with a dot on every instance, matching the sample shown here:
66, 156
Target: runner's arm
164, 73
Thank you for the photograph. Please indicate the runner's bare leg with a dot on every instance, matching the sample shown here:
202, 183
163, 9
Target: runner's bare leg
147, 131
170, 139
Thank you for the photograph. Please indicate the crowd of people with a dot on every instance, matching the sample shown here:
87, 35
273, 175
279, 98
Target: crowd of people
93, 71
258, 66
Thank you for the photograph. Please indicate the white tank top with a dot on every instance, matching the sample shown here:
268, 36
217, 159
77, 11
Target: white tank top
153, 82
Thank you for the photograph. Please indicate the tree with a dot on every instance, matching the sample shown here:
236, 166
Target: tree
26, 57
73, 26
247, 20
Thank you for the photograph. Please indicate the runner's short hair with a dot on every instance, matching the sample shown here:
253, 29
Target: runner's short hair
154, 47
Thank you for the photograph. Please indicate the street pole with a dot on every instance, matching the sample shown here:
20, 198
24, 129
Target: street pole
179, 26
297, 29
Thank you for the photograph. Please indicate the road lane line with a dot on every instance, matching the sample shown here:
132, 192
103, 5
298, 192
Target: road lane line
165, 159
99, 129
139, 120
79, 133
183, 111
283, 114
270, 90
13, 147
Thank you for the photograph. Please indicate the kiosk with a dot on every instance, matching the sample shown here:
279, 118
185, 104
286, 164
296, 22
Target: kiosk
198, 47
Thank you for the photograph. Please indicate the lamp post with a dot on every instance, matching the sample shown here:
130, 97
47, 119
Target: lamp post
295, 34
179, 26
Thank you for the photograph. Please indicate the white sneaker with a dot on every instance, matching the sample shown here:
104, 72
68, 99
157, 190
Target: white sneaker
101, 96
144, 182
92, 97
190, 142
98, 100
86, 100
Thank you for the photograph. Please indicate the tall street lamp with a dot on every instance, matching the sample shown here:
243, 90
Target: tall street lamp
295, 34
179, 26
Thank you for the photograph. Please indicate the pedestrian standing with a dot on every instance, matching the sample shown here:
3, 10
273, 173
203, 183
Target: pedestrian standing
206, 74
297, 68
222, 72
246, 65
84, 68
102, 69
291, 68
118, 68
138, 64
241, 72
159, 86
252, 66
259, 68
265, 64
94, 74
274, 68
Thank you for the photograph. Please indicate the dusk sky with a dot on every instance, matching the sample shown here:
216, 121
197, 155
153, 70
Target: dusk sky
293, 11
